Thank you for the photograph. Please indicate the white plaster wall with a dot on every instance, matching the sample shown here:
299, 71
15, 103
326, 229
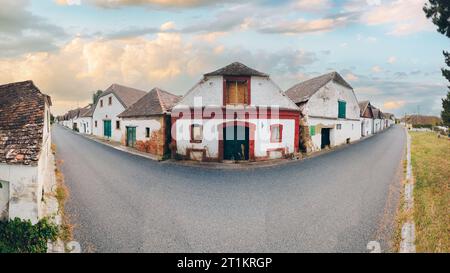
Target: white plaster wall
209, 92
349, 129
324, 103
84, 121
211, 136
24, 187
377, 126
108, 112
154, 123
367, 124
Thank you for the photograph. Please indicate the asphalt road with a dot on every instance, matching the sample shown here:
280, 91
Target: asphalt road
336, 202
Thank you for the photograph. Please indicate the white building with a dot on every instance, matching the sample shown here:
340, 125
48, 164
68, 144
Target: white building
83, 120
367, 118
25, 141
389, 120
235, 113
378, 120
330, 108
147, 123
110, 104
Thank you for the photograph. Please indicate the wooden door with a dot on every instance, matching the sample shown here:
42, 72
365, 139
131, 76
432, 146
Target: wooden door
107, 128
236, 143
131, 136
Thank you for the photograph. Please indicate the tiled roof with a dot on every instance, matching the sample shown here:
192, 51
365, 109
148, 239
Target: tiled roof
156, 102
126, 95
303, 91
377, 113
236, 69
22, 112
87, 111
363, 106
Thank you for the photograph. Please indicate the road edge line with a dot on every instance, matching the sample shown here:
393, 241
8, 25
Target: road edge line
407, 244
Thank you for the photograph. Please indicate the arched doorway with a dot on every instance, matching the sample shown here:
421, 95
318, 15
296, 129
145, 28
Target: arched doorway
237, 141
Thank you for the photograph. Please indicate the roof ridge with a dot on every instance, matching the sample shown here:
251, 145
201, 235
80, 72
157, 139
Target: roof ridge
163, 107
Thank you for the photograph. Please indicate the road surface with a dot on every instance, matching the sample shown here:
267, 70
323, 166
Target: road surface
336, 202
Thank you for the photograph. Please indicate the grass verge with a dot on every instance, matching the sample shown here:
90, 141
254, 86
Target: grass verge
430, 157
61, 194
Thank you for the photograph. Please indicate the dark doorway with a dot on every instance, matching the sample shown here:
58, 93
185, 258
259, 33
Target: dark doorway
325, 138
131, 136
236, 143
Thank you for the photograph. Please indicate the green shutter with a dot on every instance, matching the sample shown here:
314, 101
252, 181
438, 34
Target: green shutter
342, 109
312, 130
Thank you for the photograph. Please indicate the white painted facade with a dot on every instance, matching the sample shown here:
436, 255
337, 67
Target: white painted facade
108, 112
265, 94
377, 125
21, 192
366, 127
263, 145
153, 123
84, 125
322, 109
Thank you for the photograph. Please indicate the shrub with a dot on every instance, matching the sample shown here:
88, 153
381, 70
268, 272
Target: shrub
21, 236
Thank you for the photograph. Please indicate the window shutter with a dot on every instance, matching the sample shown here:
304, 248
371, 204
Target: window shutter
312, 130
342, 109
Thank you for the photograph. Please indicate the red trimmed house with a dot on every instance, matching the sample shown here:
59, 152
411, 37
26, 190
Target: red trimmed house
235, 113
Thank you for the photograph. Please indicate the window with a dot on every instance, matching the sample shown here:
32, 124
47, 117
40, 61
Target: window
147, 132
237, 91
118, 124
101, 103
110, 101
196, 133
312, 130
95, 124
342, 109
276, 133
339, 126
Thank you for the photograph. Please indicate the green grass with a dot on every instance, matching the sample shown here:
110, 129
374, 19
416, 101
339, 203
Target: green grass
430, 157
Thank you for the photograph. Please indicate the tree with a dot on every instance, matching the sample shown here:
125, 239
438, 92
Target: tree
95, 96
439, 12
446, 112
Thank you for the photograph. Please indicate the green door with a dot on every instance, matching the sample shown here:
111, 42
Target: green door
131, 136
236, 143
107, 128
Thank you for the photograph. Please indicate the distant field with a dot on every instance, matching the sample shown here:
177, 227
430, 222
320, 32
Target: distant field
431, 168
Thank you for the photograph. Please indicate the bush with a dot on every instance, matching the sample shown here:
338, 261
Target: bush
20, 236
423, 126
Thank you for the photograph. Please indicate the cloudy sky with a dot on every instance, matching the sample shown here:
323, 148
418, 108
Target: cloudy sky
386, 49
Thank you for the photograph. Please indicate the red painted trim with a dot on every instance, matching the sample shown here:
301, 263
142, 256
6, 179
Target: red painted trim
272, 140
173, 134
230, 78
244, 113
192, 133
252, 128
297, 135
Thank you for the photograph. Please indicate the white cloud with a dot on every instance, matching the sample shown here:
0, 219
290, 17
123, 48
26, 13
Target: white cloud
313, 5
351, 77
377, 69
392, 60
405, 16
393, 105
72, 73
22, 32
118, 3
